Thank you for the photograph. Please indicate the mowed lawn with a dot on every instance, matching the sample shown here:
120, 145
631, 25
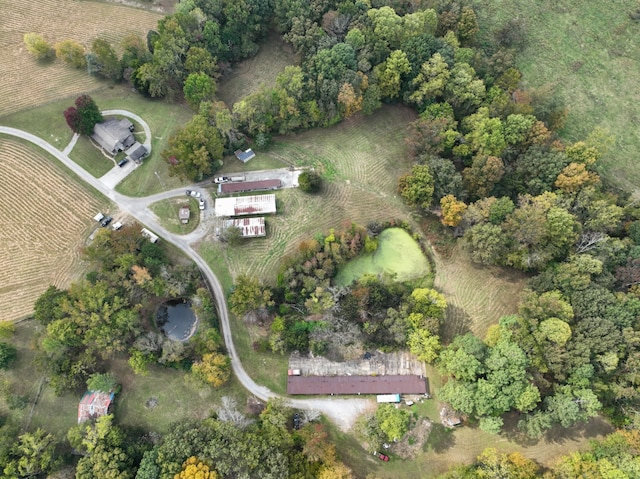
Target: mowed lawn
261, 70
589, 51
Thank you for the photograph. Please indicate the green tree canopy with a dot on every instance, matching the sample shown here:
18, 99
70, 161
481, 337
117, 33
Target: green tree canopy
195, 150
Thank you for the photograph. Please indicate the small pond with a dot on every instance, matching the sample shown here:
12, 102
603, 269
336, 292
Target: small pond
397, 253
176, 319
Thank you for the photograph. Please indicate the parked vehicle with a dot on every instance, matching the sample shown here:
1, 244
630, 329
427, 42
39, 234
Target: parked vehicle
383, 457
237, 178
201, 204
116, 226
99, 217
221, 179
105, 221
123, 162
194, 194
296, 421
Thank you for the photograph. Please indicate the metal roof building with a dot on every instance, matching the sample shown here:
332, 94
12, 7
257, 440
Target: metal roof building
249, 227
391, 384
241, 186
245, 205
94, 404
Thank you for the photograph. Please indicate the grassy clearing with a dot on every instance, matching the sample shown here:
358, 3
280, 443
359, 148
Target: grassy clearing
177, 397
167, 213
46, 219
261, 70
25, 82
90, 158
397, 253
477, 296
591, 55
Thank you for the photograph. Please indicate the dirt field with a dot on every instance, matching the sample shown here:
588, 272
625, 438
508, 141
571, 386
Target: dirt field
38, 208
26, 83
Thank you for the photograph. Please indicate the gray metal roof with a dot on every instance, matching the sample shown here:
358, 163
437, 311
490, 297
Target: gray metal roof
390, 384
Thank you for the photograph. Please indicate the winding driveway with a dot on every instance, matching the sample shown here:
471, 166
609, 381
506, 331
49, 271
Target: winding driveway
342, 411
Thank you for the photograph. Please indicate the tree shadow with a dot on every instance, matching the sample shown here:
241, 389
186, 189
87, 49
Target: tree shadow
456, 323
440, 439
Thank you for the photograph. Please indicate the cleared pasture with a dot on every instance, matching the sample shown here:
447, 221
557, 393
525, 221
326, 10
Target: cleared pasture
47, 217
249, 75
167, 213
590, 52
25, 82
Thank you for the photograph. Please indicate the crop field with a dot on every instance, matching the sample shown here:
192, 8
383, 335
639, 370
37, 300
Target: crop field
25, 82
46, 218
249, 75
590, 52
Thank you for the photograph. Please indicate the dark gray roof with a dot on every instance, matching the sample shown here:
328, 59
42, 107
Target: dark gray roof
136, 151
114, 135
244, 156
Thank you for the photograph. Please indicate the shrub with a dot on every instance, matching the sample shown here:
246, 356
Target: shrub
8, 354
310, 182
38, 46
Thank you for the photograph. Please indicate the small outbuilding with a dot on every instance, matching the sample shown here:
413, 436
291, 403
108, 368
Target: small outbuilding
184, 213
95, 404
245, 155
246, 205
449, 417
249, 227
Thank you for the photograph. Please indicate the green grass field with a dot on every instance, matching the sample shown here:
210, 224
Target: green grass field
89, 157
167, 213
590, 52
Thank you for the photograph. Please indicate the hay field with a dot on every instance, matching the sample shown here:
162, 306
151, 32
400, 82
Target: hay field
46, 218
25, 82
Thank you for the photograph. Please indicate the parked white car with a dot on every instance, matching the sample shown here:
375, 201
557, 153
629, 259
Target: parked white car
194, 193
201, 204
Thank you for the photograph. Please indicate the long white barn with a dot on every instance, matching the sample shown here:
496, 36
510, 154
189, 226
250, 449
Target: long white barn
245, 205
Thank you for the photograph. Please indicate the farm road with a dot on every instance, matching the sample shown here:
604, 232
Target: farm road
341, 411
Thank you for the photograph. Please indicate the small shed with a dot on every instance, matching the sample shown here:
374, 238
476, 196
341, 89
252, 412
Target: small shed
245, 155
95, 404
449, 417
184, 213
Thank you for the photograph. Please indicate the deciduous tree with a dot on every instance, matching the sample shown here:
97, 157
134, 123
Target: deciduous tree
417, 188
38, 46
195, 150
71, 52
214, 369
452, 210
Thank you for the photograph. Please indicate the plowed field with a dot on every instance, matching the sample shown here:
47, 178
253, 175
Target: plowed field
25, 82
45, 219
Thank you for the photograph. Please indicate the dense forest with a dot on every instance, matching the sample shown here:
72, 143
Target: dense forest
488, 163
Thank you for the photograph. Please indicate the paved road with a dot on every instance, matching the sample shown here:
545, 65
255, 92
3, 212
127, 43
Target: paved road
342, 411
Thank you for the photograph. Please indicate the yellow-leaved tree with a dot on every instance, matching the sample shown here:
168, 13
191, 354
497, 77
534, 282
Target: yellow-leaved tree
193, 468
214, 369
452, 210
